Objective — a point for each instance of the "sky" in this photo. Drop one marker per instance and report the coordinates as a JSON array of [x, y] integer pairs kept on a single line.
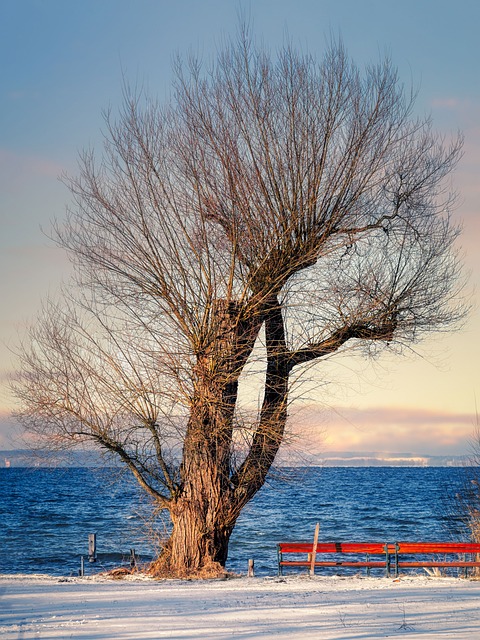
[[63, 63]]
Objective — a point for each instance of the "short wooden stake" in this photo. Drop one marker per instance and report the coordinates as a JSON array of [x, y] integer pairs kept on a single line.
[[251, 568], [314, 549], [92, 547], [133, 559], [81, 573]]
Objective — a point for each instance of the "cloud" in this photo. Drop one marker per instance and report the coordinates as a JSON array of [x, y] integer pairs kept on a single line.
[[9, 432], [401, 415], [17, 95], [452, 113], [15, 167], [451, 103], [465, 109], [390, 429], [394, 430]]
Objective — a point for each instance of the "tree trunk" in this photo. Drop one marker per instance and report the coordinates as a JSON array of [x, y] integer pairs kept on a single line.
[[203, 518], [203, 512], [251, 475], [199, 541], [211, 498]]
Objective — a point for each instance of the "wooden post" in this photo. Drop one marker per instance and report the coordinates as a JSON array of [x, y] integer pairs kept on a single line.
[[133, 559], [314, 549], [251, 568], [92, 547], [81, 573], [387, 561]]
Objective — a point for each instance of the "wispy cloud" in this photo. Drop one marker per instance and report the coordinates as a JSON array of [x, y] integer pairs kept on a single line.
[[401, 415], [393, 429], [15, 166], [456, 113], [17, 95], [451, 103], [9, 431]]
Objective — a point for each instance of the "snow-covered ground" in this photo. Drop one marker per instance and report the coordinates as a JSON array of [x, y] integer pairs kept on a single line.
[[295, 607]]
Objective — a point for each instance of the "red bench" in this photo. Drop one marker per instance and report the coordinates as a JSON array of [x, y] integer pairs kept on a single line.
[[358, 555], [455, 554], [388, 556]]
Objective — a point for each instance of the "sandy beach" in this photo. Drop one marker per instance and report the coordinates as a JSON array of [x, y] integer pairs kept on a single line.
[[296, 607]]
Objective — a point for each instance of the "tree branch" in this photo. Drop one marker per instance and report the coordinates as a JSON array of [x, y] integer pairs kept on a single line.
[[269, 433], [359, 330], [127, 459]]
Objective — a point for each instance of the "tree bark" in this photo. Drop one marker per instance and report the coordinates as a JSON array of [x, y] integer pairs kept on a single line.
[[203, 512], [202, 525]]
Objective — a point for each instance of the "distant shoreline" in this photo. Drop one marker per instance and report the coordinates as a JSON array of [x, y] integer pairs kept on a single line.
[[24, 458]]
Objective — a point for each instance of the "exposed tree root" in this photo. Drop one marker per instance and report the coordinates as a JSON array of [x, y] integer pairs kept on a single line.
[[210, 569], [120, 572]]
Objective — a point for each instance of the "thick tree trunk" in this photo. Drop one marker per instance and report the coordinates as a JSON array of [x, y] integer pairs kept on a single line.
[[212, 495], [198, 544], [203, 517], [203, 513]]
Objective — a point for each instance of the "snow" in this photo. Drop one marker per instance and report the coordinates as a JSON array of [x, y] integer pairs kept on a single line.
[[293, 607]]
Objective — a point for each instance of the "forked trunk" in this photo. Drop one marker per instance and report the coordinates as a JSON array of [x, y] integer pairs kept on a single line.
[[212, 494]]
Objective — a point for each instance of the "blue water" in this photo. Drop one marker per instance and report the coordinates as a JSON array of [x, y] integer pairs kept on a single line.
[[47, 514]]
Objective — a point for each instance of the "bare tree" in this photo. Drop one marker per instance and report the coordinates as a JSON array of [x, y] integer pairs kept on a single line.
[[286, 203]]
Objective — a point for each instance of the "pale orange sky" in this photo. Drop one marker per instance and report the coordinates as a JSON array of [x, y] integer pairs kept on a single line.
[[61, 71]]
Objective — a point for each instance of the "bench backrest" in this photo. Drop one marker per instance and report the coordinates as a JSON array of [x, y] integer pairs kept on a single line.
[[336, 547], [438, 547]]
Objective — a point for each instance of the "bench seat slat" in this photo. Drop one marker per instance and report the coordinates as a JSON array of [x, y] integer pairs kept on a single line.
[[332, 563], [433, 563]]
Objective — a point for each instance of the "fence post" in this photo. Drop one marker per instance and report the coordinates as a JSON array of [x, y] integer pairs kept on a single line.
[[314, 549], [251, 568], [92, 547], [133, 559]]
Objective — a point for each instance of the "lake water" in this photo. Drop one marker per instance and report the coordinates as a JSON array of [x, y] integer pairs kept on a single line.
[[47, 514]]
